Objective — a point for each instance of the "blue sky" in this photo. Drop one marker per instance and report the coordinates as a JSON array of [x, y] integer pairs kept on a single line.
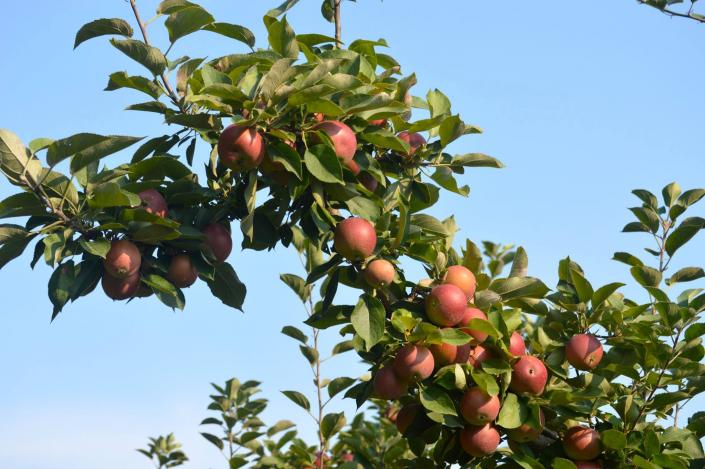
[[583, 101]]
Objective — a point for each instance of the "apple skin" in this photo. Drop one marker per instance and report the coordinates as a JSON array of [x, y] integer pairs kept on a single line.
[[352, 166], [406, 416], [446, 354], [154, 203], [479, 441], [445, 305], [584, 351], [368, 181], [517, 347], [387, 384], [123, 259], [355, 238], [470, 314], [461, 277], [529, 375], [378, 122], [347, 457], [479, 408], [241, 148], [218, 241], [582, 443], [379, 273], [587, 464], [478, 355], [413, 363], [342, 136], [120, 288], [526, 433], [182, 272], [414, 140]]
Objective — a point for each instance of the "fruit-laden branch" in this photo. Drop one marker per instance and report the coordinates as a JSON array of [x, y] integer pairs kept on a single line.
[[672, 13], [170, 91]]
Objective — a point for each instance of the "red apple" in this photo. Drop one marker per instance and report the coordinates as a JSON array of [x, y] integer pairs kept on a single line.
[[478, 407], [478, 355], [406, 417], [526, 433], [355, 238], [342, 136], [218, 241], [368, 181], [587, 464], [241, 148], [584, 351], [445, 305], [387, 384], [529, 375], [120, 288], [479, 441], [123, 259], [352, 166], [378, 122], [379, 273], [469, 315], [153, 202], [414, 140], [182, 272], [582, 443], [461, 277], [413, 362], [517, 347]]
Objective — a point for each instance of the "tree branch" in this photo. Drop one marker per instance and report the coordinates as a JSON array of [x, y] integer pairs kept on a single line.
[[673, 13], [338, 26]]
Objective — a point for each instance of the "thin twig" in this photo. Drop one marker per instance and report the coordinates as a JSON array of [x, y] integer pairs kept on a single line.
[[672, 13], [338, 25]]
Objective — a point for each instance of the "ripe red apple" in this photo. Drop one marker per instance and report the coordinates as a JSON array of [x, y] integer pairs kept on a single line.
[[352, 166], [587, 464], [461, 277], [414, 140], [355, 238], [525, 433], [406, 416], [123, 259], [445, 305], [584, 351], [347, 457], [368, 181], [153, 202], [478, 407], [478, 355], [479, 441], [446, 354], [342, 136], [378, 122], [240, 148], [379, 273], [218, 241], [470, 314], [182, 272], [387, 385], [413, 362], [517, 347], [319, 117], [529, 375], [120, 288], [582, 443]]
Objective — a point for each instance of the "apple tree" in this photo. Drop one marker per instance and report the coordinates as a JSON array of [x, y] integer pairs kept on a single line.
[[328, 150]]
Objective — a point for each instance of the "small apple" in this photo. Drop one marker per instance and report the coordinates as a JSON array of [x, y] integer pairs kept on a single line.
[[470, 314], [414, 140], [123, 259], [526, 433], [379, 273], [120, 288], [478, 355], [582, 443], [387, 385], [218, 241], [479, 441], [355, 238], [182, 272], [413, 363], [241, 148], [584, 351], [529, 375], [445, 305], [461, 277], [153, 202], [342, 136], [517, 347], [478, 407]]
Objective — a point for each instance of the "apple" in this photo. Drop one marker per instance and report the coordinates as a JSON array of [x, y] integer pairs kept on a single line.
[[218, 241], [478, 355], [478, 407], [368, 181], [479, 441], [240, 148], [470, 314], [406, 416], [378, 122], [526, 433], [355, 238], [123, 259], [387, 385], [587, 464], [584, 351], [319, 116], [461, 277], [352, 166], [413, 362], [446, 354], [379, 273], [153, 202], [182, 272], [120, 288], [529, 375], [347, 457], [414, 140], [517, 347], [342, 136], [582, 443], [445, 305]]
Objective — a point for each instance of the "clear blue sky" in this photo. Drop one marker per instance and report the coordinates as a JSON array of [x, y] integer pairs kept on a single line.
[[583, 101]]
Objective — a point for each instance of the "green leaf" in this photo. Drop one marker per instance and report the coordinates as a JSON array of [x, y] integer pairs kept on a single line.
[[22, 204], [123, 80], [214, 440], [582, 286], [691, 197], [627, 258], [167, 7], [671, 193], [310, 353], [486, 382], [233, 31], [282, 39], [98, 247], [163, 289], [635, 227], [684, 233], [520, 264], [614, 439], [281, 9], [87, 148], [227, 287], [646, 276], [385, 139], [13, 240], [519, 287], [339, 384], [247, 223], [332, 424], [648, 217], [298, 285], [562, 463], [436, 399], [511, 415], [438, 103], [687, 274], [476, 160], [323, 164], [602, 293], [295, 333], [450, 129], [368, 320], [186, 21], [151, 57], [102, 27], [111, 194], [107, 146], [647, 197], [444, 177], [298, 399]]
